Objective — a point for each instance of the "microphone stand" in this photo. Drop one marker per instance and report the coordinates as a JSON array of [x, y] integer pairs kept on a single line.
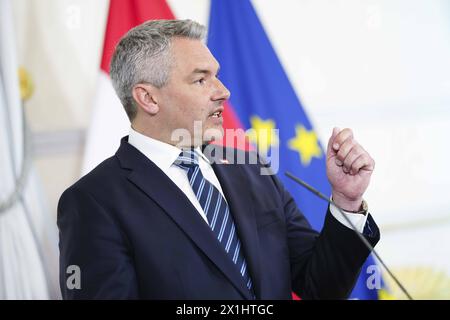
[[360, 236]]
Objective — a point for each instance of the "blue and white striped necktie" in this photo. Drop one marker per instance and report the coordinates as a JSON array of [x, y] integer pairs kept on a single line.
[[217, 212]]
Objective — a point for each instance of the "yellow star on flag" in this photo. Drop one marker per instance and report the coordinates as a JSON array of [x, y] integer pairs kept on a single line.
[[306, 144], [262, 134]]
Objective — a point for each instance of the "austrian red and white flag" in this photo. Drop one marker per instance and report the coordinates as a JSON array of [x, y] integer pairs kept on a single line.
[[109, 121]]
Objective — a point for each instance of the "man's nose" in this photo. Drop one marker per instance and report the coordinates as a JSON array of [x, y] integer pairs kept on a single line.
[[221, 92]]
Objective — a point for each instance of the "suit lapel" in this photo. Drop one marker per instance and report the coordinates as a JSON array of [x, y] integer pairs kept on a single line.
[[175, 203], [237, 192]]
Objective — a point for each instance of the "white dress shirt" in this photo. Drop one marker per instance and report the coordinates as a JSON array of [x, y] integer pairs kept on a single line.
[[164, 155]]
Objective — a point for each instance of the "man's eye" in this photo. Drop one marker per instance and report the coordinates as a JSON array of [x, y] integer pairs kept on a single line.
[[200, 81]]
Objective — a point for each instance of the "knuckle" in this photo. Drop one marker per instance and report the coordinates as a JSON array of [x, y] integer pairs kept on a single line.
[[358, 162], [341, 154], [347, 162], [354, 163], [350, 159], [348, 132], [346, 148]]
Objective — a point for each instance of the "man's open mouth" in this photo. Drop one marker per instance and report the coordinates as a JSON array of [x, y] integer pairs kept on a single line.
[[216, 114]]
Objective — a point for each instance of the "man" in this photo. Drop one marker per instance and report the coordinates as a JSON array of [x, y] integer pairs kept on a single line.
[[163, 220]]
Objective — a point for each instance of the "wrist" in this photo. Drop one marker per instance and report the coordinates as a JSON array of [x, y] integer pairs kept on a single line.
[[351, 205]]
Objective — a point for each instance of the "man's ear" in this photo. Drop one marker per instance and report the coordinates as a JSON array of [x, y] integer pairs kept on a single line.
[[145, 97]]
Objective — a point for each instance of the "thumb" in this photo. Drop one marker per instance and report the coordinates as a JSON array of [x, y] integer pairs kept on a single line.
[[330, 150]]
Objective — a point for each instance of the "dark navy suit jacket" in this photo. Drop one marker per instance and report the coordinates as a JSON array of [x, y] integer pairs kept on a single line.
[[135, 235]]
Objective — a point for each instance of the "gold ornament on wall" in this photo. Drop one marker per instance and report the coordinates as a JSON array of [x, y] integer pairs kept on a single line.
[[26, 85]]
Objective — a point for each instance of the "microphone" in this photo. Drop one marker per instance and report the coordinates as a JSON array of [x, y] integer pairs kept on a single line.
[[360, 236]]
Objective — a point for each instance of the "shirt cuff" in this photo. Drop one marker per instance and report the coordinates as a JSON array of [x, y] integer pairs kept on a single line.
[[358, 220]]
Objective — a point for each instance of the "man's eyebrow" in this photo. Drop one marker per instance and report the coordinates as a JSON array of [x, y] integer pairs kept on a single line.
[[203, 71], [200, 71]]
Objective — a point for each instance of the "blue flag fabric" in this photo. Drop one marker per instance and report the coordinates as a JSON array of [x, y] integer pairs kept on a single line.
[[263, 98]]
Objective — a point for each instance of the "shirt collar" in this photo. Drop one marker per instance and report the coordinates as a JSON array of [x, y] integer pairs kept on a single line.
[[160, 153]]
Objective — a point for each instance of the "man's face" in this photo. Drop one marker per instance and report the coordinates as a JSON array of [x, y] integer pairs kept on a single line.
[[193, 92]]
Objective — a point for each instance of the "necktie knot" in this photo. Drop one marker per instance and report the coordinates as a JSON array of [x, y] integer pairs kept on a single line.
[[187, 159]]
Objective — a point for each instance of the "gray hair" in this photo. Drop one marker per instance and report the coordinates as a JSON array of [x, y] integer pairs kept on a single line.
[[143, 56]]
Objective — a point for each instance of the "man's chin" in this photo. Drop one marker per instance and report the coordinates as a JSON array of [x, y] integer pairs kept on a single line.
[[195, 137], [213, 134]]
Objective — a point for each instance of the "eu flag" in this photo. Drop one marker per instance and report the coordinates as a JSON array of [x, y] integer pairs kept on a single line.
[[262, 99]]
